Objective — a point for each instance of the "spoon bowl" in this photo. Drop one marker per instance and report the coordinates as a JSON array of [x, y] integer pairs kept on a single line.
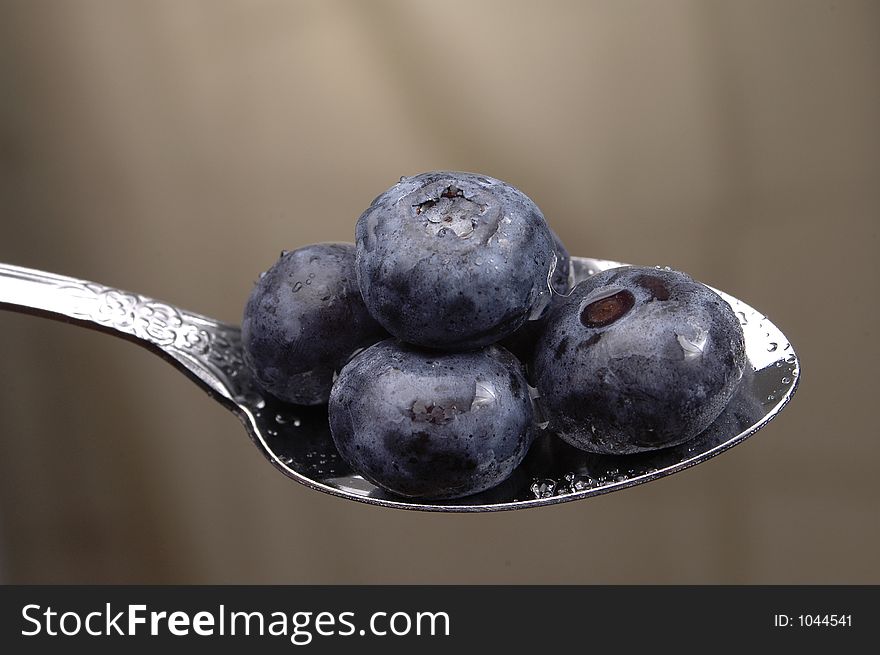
[[297, 440]]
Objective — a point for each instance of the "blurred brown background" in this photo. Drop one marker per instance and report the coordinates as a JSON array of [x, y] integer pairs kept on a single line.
[[175, 147]]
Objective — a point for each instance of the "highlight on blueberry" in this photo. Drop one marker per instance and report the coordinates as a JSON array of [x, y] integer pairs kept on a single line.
[[303, 319], [522, 342], [637, 359], [454, 260], [425, 424], [562, 278]]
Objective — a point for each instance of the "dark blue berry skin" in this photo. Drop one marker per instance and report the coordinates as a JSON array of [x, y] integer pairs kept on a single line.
[[425, 424], [561, 281], [453, 260], [522, 342], [303, 319], [637, 359]]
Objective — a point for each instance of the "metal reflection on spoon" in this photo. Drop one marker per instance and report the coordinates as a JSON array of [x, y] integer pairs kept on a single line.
[[297, 439]]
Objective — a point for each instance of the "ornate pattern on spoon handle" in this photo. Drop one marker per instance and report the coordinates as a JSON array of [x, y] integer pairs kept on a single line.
[[208, 350]]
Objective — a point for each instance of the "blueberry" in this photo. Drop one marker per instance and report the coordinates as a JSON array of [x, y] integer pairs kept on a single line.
[[303, 319], [424, 424], [453, 260], [637, 359]]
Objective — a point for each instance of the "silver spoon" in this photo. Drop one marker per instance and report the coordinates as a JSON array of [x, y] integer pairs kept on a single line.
[[297, 439]]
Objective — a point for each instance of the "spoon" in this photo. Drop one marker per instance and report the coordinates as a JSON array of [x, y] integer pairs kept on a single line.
[[297, 439]]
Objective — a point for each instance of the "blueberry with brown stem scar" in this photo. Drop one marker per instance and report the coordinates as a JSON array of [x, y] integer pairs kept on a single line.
[[637, 359]]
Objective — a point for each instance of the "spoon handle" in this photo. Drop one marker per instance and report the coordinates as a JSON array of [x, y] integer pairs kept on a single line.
[[208, 351]]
